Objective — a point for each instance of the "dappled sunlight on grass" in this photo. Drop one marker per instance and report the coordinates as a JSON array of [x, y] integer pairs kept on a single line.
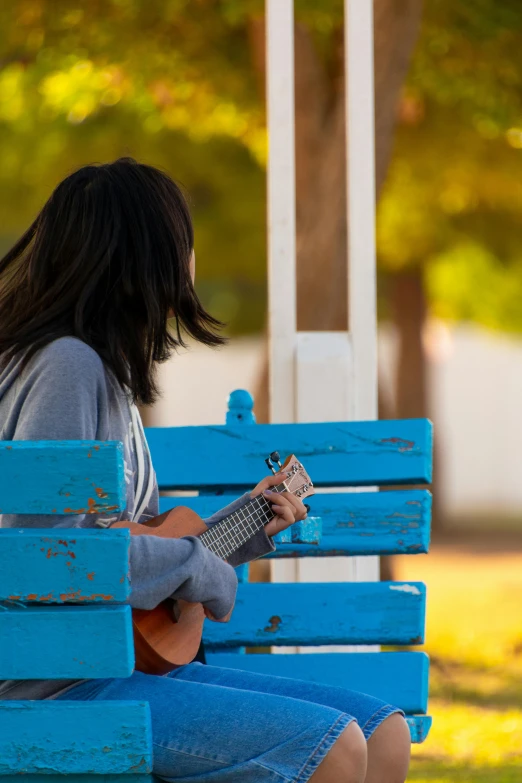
[[474, 637], [455, 773], [479, 735], [474, 605]]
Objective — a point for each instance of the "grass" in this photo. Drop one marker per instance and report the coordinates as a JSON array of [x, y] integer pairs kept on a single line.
[[474, 638]]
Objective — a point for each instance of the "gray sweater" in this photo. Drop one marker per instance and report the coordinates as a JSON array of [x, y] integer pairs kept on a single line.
[[66, 393]]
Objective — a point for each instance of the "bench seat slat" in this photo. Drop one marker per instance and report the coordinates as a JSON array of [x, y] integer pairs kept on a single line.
[[94, 778], [59, 566], [352, 524], [420, 726], [83, 642], [397, 678], [61, 477], [323, 614], [335, 454], [82, 738]]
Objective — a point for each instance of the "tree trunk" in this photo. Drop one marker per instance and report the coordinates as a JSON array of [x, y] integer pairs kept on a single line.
[[386, 562], [410, 310], [320, 162]]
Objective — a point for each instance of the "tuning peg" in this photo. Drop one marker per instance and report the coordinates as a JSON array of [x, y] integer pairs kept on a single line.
[[276, 458], [269, 464]]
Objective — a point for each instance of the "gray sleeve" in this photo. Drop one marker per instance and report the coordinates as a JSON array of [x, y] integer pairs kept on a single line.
[[252, 549], [181, 568], [60, 394], [60, 399]]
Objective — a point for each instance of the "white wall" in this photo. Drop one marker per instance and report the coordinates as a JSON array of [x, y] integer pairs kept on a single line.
[[476, 395], [476, 384], [197, 382]]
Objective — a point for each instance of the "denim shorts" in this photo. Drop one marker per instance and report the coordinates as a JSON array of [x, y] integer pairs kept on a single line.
[[218, 725]]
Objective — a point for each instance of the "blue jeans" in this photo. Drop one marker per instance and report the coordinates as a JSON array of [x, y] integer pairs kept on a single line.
[[227, 726]]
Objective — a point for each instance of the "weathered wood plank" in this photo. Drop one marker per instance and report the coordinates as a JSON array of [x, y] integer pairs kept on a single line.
[[65, 642], [57, 566], [420, 726], [75, 738], [317, 614], [334, 454], [358, 523], [396, 678], [91, 778], [61, 477]]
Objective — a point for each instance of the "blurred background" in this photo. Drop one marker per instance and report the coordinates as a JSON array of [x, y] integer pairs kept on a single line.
[[180, 84]]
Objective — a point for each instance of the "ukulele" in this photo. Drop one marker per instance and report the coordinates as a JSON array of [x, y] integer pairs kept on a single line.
[[169, 635]]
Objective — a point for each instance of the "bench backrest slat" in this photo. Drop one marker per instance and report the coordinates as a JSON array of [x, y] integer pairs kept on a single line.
[[396, 678], [74, 738], [62, 642], [334, 454], [312, 614], [361, 523], [61, 477], [64, 566]]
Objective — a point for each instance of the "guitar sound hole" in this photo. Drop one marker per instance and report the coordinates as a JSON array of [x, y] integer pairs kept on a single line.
[[173, 609]]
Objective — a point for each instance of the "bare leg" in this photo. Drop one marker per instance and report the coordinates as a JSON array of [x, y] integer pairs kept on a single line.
[[389, 752], [346, 760]]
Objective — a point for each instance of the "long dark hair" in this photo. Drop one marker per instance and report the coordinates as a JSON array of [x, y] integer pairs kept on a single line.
[[107, 260]]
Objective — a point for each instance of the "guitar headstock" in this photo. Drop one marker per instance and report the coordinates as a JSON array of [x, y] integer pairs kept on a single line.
[[297, 480]]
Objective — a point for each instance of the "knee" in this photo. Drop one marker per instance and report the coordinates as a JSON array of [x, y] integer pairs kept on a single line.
[[356, 753], [348, 756], [389, 751]]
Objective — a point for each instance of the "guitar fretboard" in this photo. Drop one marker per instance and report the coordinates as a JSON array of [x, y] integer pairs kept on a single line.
[[231, 533]]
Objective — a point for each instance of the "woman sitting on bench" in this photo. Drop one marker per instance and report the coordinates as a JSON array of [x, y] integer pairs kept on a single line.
[[93, 297]]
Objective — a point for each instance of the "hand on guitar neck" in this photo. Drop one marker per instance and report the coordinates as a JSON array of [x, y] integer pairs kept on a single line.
[[288, 508]]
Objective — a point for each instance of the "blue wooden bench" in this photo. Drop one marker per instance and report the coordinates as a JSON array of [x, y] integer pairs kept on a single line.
[[221, 462], [64, 614], [63, 593]]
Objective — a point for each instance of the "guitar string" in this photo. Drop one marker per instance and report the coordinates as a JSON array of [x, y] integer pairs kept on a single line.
[[231, 533], [234, 530], [238, 527]]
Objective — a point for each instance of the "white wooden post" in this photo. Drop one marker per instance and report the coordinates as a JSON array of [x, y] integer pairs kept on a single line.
[[281, 207], [360, 158], [322, 376]]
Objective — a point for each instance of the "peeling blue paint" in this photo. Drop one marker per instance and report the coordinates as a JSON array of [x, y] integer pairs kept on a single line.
[[82, 476], [47, 738], [316, 614], [60, 566]]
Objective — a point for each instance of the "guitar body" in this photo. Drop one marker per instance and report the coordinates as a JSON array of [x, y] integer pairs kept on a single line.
[[169, 635]]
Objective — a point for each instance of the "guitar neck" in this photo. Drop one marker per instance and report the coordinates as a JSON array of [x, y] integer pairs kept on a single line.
[[231, 533]]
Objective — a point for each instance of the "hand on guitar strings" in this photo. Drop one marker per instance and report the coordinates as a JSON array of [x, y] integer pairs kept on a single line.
[[287, 509], [286, 506]]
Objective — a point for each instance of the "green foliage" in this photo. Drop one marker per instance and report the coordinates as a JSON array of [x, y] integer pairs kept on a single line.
[[453, 197], [168, 81], [172, 82]]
